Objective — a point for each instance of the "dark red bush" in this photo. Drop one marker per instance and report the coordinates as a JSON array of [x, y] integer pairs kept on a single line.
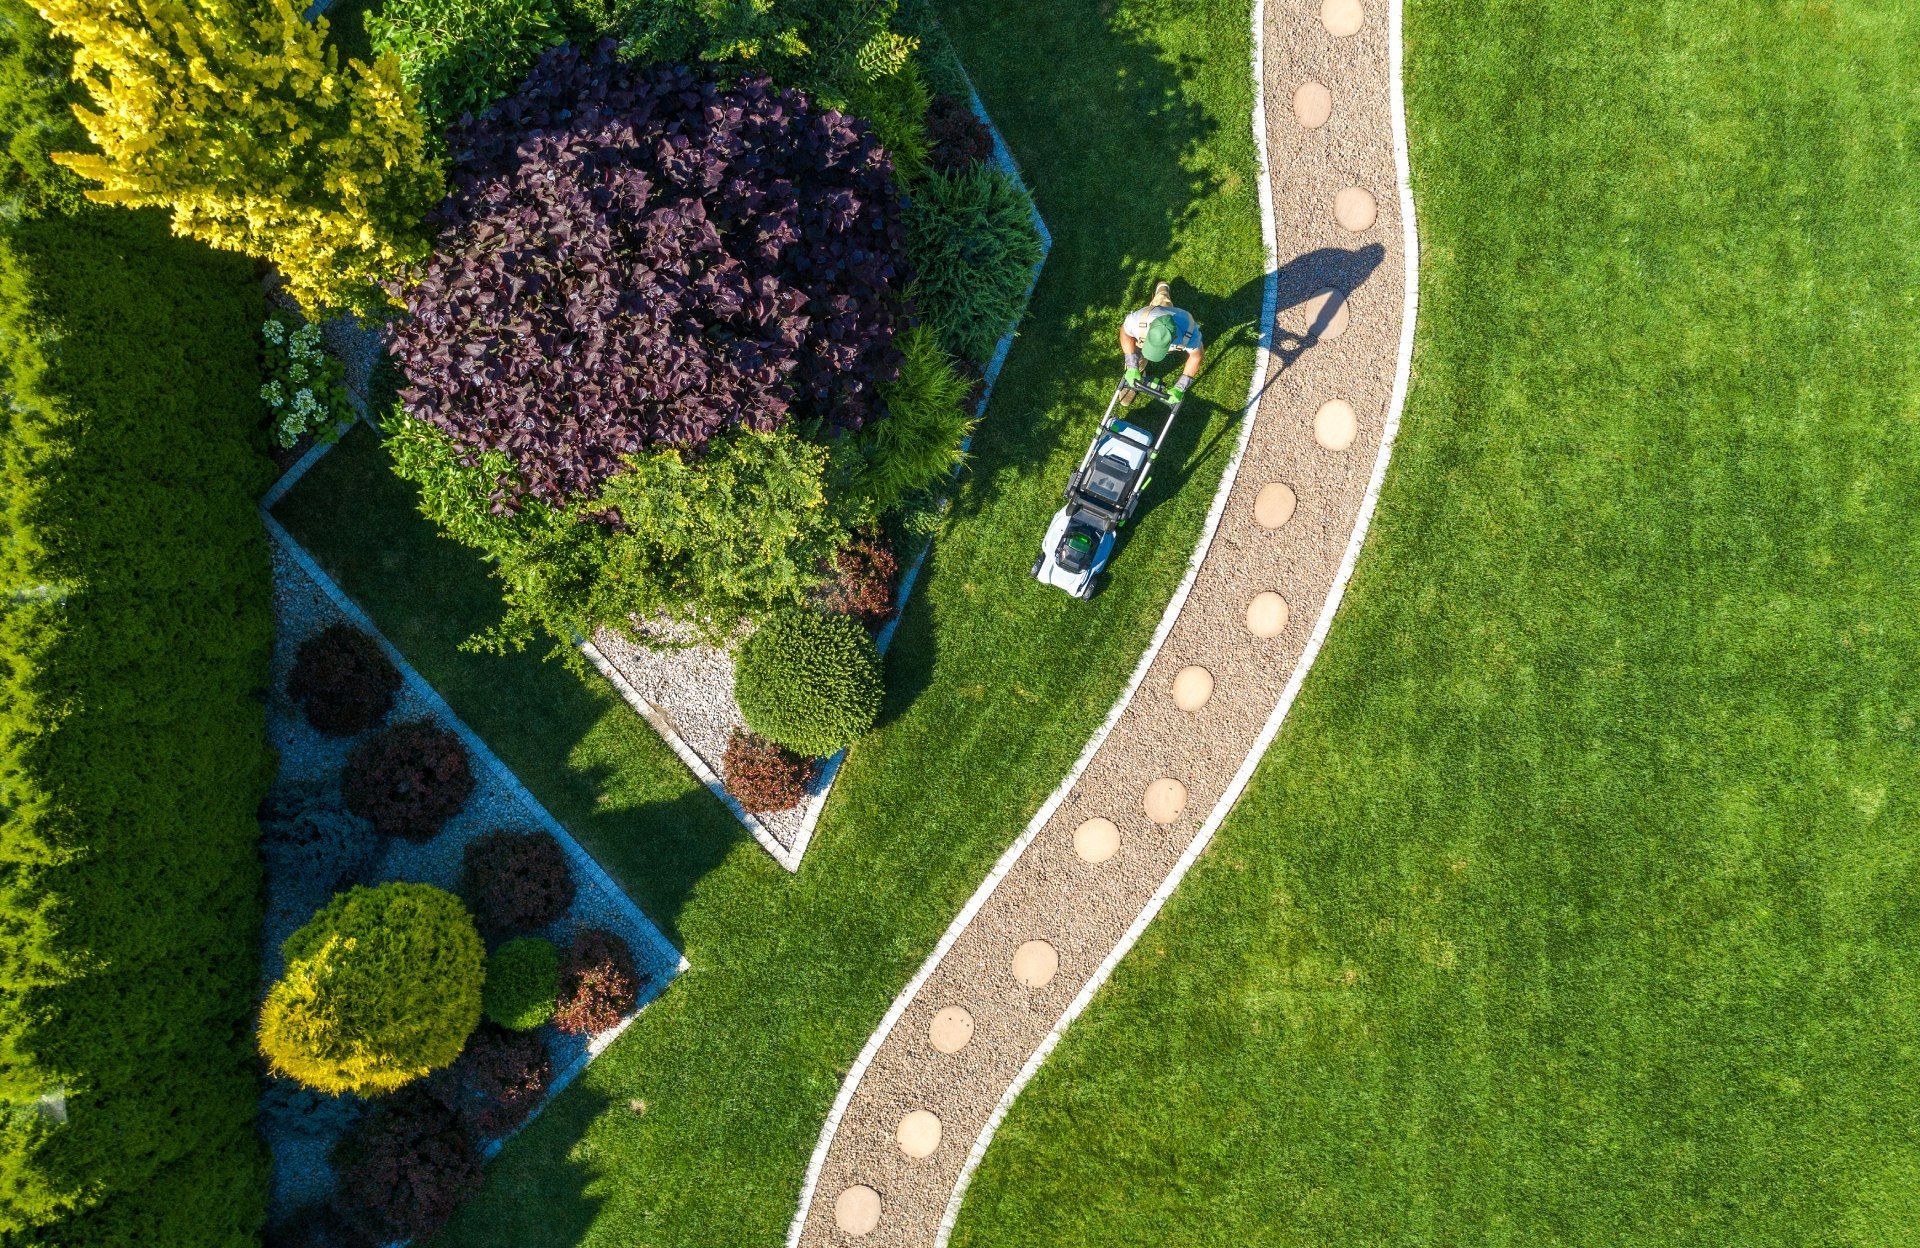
[[763, 776], [500, 1078], [406, 1165], [343, 681], [865, 573], [409, 780], [599, 984], [959, 139], [515, 882], [632, 257]]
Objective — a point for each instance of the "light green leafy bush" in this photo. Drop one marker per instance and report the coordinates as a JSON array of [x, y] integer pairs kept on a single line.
[[463, 55], [971, 238], [809, 681], [382, 987], [523, 982]]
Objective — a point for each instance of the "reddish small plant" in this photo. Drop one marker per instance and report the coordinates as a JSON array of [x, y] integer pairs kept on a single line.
[[500, 1078], [960, 140], [599, 984], [343, 681], [406, 1165], [515, 882], [765, 777], [409, 780], [864, 573]]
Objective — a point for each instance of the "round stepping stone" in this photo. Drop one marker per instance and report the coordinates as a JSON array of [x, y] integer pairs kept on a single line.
[[1096, 840], [1034, 963], [1335, 426], [952, 1028], [1164, 800], [1322, 317], [1342, 17], [918, 1134], [1192, 687], [1273, 505], [1355, 209], [857, 1209], [1312, 105], [1266, 614]]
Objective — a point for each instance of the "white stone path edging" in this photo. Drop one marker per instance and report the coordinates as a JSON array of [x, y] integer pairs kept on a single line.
[[1350, 556], [789, 856]]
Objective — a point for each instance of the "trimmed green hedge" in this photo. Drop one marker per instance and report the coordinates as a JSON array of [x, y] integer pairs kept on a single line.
[[135, 627], [809, 681]]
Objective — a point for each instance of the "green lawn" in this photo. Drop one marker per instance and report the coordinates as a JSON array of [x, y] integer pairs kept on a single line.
[[696, 1128], [1578, 902]]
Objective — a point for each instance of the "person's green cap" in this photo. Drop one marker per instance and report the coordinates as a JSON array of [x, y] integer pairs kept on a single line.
[[1159, 339]]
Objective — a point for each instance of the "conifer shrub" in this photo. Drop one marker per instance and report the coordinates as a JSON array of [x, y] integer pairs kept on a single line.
[[599, 984], [764, 777], [317, 847], [516, 882], [382, 987], [523, 983], [342, 680], [972, 241], [409, 780], [809, 681], [931, 410]]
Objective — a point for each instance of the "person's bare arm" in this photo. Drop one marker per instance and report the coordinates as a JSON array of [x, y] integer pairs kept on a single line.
[[1127, 343], [1193, 361]]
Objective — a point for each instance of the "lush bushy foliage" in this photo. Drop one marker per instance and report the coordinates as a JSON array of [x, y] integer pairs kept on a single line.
[[634, 258], [500, 1079], [382, 987], [523, 982], [461, 57], [305, 388], [829, 47], [865, 577], [809, 681], [515, 881], [36, 118], [406, 1166], [409, 780], [320, 846], [972, 240], [957, 139], [236, 117], [930, 413], [343, 681], [599, 984], [895, 105], [135, 631], [765, 777]]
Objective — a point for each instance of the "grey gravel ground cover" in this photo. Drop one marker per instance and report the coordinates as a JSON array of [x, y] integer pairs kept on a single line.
[[301, 1129]]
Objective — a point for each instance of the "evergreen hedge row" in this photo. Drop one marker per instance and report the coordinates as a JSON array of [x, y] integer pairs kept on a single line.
[[135, 626]]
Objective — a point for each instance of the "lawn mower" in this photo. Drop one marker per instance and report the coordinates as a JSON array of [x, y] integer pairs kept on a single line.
[[1102, 494]]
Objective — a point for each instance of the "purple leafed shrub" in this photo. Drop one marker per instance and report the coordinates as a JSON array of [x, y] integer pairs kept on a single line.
[[630, 258], [500, 1078], [959, 140], [515, 881], [406, 1165], [408, 780], [598, 983]]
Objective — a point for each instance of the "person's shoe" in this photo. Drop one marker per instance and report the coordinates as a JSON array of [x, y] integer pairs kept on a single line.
[[1126, 397], [1162, 295]]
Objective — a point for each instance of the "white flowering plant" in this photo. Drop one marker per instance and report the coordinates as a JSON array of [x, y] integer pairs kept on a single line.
[[305, 389]]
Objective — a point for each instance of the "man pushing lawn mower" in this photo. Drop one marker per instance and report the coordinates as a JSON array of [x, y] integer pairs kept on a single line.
[[1106, 487]]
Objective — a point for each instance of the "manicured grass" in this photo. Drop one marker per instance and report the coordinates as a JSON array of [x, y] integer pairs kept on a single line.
[[696, 1128], [1578, 902]]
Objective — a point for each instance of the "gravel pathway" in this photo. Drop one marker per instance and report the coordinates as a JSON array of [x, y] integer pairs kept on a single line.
[[1073, 893]]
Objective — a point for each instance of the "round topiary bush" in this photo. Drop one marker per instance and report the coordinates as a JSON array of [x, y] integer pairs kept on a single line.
[[515, 881], [381, 987], [406, 1166], [500, 1078], [808, 681], [599, 984], [765, 777], [343, 681], [409, 780], [523, 982]]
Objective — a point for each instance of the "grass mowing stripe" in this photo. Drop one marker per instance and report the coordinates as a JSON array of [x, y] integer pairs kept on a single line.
[[1141, 157], [1576, 902]]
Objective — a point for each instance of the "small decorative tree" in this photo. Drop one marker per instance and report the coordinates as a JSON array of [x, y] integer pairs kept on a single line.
[[382, 987], [235, 116]]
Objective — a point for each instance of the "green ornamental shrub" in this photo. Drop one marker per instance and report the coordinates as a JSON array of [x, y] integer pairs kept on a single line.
[[930, 412], [809, 681], [382, 986], [971, 238], [523, 982], [462, 55], [305, 388]]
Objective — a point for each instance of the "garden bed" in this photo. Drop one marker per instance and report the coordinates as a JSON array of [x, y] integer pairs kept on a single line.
[[302, 1129]]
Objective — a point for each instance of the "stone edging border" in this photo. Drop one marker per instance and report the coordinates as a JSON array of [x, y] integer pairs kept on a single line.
[[1389, 432], [789, 858]]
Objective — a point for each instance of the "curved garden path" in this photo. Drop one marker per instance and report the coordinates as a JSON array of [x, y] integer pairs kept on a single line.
[[1074, 891]]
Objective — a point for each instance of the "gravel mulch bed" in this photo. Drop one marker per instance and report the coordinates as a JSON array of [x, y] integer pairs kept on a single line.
[[1082, 909]]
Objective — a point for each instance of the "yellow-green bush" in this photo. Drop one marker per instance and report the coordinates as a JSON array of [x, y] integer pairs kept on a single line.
[[382, 987]]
